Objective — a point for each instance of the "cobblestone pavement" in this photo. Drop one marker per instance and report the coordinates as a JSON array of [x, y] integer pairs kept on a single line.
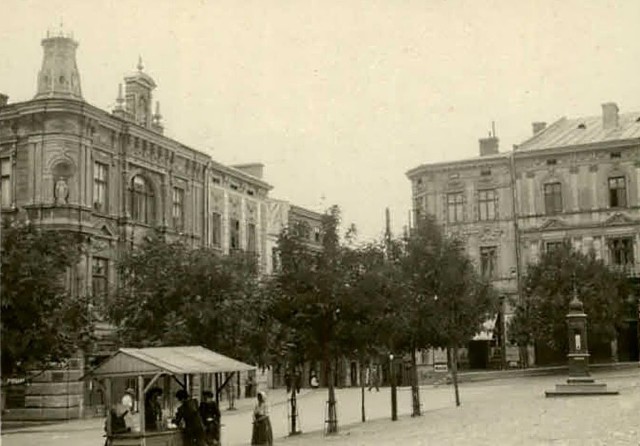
[[501, 412]]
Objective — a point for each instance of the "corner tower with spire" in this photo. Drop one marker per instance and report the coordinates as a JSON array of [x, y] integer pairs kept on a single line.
[[136, 105], [59, 76]]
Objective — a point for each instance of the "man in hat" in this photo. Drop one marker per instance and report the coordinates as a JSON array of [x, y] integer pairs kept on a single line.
[[188, 412], [210, 414]]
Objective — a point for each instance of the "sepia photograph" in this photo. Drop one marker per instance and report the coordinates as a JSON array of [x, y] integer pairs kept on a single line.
[[319, 222]]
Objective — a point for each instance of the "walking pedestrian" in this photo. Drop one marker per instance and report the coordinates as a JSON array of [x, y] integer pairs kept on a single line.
[[262, 434]]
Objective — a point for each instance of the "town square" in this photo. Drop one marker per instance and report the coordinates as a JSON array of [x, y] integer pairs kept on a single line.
[[319, 222]]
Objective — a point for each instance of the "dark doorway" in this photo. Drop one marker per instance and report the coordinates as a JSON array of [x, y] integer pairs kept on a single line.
[[479, 354], [628, 348], [354, 374]]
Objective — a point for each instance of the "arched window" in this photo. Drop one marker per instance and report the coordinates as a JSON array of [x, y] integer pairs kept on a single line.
[[142, 200]]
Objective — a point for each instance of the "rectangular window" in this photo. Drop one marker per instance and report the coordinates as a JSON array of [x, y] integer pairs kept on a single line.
[[552, 246], [275, 260], [177, 209], [5, 182], [417, 208], [455, 207], [216, 230], [617, 192], [100, 186], [100, 277], [316, 235], [488, 261], [553, 198], [251, 237], [487, 205], [234, 233], [621, 250]]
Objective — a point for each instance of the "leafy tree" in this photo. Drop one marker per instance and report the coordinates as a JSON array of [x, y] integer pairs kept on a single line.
[[548, 288], [311, 289], [447, 301], [42, 322], [172, 294]]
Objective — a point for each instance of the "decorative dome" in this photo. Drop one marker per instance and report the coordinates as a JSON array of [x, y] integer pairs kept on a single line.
[[576, 304]]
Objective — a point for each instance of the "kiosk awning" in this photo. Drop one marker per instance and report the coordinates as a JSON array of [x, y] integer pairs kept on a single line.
[[172, 360]]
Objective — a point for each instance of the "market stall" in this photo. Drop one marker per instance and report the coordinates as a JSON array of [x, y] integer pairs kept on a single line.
[[164, 370]]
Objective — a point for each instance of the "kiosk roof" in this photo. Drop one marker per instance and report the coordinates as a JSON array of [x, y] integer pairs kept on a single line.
[[172, 360]]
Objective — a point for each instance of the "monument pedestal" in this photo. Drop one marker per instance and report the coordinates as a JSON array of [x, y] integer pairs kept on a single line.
[[580, 386], [579, 382]]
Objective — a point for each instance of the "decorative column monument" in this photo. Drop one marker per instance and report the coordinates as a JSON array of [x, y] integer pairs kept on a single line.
[[579, 382]]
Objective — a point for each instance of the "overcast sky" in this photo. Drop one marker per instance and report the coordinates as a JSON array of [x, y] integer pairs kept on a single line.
[[339, 98]]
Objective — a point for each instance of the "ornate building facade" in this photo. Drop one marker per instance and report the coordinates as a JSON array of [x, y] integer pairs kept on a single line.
[[576, 180], [114, 177]]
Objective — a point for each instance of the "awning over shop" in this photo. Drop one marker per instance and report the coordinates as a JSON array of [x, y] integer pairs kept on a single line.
[[486, 334], [171, 360]]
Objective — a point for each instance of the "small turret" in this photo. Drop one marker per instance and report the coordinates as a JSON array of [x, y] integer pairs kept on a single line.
[[157, 119], [138, 88], [59, 76]]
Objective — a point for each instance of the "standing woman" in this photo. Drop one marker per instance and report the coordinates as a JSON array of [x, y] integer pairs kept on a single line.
[[262, 434]]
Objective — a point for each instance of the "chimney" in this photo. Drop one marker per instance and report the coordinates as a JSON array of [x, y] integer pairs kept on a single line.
[[538, 127], [488, 146], [4, 99], [609, 115]]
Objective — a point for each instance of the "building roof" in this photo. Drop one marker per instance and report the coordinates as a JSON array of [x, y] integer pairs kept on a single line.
[[476, 161], [583, 131], [171, 360]]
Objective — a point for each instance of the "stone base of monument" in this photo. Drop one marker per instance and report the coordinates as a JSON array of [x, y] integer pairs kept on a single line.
[[582, 386]]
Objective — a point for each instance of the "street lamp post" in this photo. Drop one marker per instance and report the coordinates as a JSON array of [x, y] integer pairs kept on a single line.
[[394, 390]]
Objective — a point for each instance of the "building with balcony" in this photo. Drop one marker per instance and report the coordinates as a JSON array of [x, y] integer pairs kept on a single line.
[[575, 180]]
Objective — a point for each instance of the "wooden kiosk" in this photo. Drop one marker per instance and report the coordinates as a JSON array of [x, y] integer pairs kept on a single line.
[[170, 368]]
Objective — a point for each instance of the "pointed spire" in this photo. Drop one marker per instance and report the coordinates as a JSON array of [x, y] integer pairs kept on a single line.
[[157, 115], [120, 99], [140, 66]]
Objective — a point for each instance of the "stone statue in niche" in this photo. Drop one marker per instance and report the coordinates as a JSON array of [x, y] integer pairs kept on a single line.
[[61, 190]]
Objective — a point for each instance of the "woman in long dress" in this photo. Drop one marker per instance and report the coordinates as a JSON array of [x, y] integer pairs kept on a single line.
[[262, 434]]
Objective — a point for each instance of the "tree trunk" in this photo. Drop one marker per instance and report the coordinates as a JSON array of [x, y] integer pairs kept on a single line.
[[294, 412], [454, 371], [362, 375], [332, 418], [415, 386]]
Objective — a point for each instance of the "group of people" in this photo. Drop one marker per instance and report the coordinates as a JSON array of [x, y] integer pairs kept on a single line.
[[200, 423]]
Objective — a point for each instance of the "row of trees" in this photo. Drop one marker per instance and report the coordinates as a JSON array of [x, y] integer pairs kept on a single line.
[[344, 300]]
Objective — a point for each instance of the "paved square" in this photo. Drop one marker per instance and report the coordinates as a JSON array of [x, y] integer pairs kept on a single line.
[[499, 412]]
